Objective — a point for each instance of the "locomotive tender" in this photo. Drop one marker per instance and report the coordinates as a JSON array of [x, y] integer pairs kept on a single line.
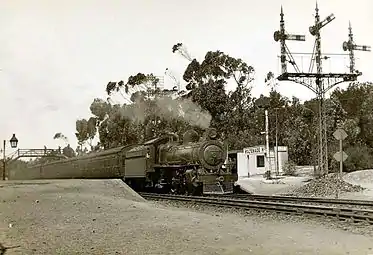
[[164, 164]]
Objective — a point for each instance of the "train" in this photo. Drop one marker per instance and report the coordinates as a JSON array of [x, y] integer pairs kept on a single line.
[[192, 165]]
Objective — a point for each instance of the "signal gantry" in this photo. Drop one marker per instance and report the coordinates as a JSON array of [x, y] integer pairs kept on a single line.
[[318, 82]]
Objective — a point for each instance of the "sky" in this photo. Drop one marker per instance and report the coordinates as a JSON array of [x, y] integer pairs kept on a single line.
[[57, 56]]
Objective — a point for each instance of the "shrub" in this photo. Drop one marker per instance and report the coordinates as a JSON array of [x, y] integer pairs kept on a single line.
[[290, 168], [267, 174], [359, 158]]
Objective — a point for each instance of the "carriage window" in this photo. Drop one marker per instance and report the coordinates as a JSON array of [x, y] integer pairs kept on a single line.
[[260, 161]]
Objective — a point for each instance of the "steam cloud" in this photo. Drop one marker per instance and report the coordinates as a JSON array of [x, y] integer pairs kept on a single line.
[[169, 108]]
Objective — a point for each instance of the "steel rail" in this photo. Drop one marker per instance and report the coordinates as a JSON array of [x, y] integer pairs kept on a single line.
[[356, 215], [351, 202]]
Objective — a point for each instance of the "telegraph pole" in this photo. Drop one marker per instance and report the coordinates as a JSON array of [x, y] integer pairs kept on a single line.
[[318, 82], [276, 155], [4, 159], [268, 163]]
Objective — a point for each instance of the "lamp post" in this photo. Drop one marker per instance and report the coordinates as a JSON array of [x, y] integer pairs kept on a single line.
[[266, 133], [312, 138], [276, 155], [268, 163], [13, 143], [277, 167]]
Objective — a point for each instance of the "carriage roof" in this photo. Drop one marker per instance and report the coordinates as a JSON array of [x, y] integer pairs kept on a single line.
[[94, 154]]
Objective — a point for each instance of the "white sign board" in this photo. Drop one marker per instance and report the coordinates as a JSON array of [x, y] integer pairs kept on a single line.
[[340, 156], [282, 148], [340, 134], [254, 150]]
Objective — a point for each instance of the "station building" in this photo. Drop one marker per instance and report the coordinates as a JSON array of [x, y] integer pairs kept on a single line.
[[252, 161]]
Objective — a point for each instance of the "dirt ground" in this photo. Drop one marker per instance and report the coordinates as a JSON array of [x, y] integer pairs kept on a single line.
[[258, 185], [364, 178], [100, 217]]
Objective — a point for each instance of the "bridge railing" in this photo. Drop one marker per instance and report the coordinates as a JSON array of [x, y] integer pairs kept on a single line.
[[24, 153]]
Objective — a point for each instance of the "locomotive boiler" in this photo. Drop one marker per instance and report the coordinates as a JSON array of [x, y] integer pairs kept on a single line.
[[208, 153], [167, 164]]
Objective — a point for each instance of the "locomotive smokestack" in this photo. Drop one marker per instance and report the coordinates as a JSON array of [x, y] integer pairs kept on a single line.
[[173, 136], [210, 134], [190, 136]]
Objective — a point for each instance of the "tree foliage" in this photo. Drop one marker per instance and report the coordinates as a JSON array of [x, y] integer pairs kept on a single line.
[[207, 81], [148, 111], [61, 136]]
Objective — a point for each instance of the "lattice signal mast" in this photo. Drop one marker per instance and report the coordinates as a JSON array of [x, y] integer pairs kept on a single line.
[[351, 46], [311, 80], [282, 36]]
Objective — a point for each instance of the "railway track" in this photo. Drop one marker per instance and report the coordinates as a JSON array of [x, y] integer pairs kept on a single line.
[[346, 213], [303, 200]]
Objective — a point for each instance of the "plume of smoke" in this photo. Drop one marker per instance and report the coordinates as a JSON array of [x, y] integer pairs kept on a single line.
[[135, 112], [183, 109], [168, 108]]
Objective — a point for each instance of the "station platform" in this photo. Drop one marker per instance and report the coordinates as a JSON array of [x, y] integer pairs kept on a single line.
[[258, 185]]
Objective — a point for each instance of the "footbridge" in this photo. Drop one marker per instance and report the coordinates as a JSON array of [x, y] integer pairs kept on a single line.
[[38, 153], [30, 153]]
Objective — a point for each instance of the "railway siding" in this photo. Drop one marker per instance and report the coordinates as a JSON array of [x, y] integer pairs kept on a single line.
[[306, 200], [347, 213]]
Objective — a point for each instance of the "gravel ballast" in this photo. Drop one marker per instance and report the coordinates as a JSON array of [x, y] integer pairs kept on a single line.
[[330, 185], [104, 217]]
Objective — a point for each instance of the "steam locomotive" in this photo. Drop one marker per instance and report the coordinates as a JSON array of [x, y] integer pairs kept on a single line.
[[163, 165]]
